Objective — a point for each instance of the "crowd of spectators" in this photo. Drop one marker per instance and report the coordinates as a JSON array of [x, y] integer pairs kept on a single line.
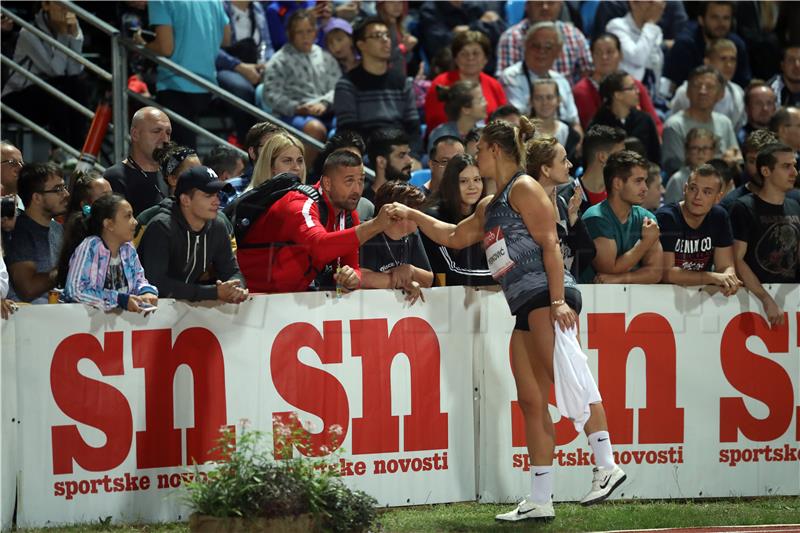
[[667, 159]]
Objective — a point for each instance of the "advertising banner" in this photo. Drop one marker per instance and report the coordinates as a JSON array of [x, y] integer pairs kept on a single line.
[[115, 407], [103, 414], [700, 394]]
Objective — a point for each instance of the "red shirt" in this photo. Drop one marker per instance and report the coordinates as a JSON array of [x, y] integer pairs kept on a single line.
[[588, 101], [434, 108], [308, 245], [595, 197]]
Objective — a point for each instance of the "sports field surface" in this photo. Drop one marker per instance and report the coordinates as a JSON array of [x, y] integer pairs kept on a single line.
[[775, 514]]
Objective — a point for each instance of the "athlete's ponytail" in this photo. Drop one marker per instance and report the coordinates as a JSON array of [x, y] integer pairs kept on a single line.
[[509, 138]]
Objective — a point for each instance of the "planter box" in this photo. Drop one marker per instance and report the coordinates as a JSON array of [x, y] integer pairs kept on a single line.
[[291, 524]]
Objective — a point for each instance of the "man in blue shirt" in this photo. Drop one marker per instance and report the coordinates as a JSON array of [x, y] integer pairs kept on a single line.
[[190, 34], [625, 234], [690, 46]]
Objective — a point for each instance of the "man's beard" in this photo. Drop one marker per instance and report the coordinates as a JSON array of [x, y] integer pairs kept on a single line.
[[711, 37], [392, 174]]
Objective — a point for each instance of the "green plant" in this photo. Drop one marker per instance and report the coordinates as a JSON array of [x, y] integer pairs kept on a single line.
[[249, 482], [346, 509]]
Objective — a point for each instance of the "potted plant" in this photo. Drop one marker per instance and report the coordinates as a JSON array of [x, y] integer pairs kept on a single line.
[[250, 490]]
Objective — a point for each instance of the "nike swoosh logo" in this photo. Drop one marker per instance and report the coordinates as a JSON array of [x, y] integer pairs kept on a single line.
[[525, 512], [601, 440], [604, 484], [537, 474]]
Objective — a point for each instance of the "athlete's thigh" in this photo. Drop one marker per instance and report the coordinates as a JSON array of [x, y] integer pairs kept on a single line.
[[540, 342], [528, 384]]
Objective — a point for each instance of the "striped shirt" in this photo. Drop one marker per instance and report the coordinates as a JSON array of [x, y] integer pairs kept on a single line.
[[365, 102], [575, 59]]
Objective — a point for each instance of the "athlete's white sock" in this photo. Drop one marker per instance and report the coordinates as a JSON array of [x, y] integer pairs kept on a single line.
[[541, 483], [600, 442]]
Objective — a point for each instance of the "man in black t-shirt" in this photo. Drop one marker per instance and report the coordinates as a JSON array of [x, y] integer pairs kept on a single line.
[[696, 235], [766, 229], [138, 178], [396, 258]]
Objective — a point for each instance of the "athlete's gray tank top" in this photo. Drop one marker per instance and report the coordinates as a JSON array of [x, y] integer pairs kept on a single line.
[[514, 258]]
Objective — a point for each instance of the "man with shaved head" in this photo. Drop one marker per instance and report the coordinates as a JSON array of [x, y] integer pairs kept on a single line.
[[138, 177]]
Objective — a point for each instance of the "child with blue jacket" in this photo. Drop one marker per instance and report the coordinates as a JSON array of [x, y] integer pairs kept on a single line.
[[98, 264]]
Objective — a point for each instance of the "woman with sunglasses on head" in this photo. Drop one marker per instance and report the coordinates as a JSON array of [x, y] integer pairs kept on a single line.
[[620, 110], [518, 228]]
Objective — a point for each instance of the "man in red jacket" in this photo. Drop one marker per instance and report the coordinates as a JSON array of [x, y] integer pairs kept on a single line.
[[305, 247]]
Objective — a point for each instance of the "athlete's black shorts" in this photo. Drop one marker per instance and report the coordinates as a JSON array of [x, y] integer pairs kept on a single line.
[[571, 295]]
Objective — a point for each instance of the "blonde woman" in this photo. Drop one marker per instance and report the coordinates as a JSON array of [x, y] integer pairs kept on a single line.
[[281, 153]]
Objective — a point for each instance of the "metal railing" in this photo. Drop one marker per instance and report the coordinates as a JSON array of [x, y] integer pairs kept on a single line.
[[120, 93]]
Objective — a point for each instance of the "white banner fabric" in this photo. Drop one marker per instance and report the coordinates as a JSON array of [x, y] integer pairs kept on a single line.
[[103, 412]]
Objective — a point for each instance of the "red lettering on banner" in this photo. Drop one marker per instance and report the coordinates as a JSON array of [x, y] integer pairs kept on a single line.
[[565, 429], [160, 444], [756, 377], [310, 389], [99, 405], [377, 431], [661, 421]]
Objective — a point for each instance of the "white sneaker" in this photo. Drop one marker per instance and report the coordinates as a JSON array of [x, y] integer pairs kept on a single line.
[[604, 481], [526, 510]]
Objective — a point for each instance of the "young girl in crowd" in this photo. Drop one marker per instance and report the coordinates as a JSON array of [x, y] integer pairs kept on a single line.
[[300, 78], [339, 42], [98, 264], [281, 153], [518, 227], [465, 107], [461, 189], [544, 103], [86, 188]]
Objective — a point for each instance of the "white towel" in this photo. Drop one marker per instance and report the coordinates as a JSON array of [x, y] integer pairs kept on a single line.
[[575, 386]]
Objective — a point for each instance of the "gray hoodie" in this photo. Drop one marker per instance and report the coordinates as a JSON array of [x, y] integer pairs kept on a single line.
[[41, 58], [175, 257]]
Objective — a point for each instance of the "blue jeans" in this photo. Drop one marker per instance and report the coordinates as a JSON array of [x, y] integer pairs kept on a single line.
[[237, 84]]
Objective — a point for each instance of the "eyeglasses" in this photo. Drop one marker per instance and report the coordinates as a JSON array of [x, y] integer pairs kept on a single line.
[[58, 189], [547, 47], [379, 36], [701, 148], [440, 162], [13, 162]]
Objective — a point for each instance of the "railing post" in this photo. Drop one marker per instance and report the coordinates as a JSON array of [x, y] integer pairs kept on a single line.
[[119, 100]]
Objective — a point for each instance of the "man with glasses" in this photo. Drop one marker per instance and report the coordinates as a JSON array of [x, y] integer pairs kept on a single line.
[[33, 251], [720, 54], [442, 151], [704, 89], [372, 97], [572, 60], [543, 44], [10, 163]]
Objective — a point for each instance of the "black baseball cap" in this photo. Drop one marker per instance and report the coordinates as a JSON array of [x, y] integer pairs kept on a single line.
[[202, 178]]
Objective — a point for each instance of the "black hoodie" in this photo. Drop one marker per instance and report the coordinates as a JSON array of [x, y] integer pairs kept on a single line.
[[174, 256]]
